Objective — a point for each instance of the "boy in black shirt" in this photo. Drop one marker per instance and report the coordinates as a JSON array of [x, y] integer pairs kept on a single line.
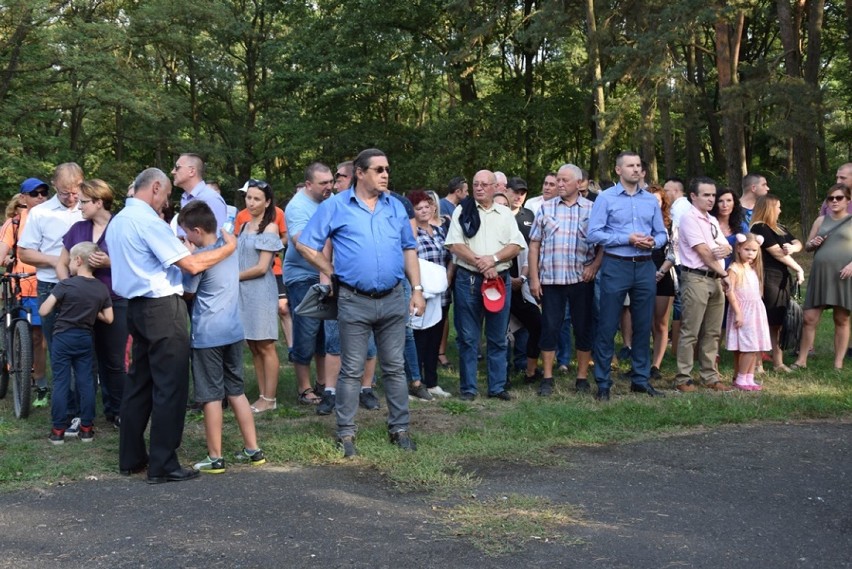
[[80, 300]]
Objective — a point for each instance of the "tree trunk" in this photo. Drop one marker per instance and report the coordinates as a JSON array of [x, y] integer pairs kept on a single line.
[[664, 103], [728, 39], [692, 142], [599, 99]]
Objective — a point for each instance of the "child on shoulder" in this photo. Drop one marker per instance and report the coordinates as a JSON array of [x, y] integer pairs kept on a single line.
[[217, 343], [748, 327], [80, 301]]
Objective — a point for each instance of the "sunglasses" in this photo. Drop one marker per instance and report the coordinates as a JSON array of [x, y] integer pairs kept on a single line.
[[380, 169], [341, 175], [835, 198], [36, 193], [258, 184]]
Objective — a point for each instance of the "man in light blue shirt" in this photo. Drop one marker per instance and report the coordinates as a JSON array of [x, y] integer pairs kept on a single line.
[[188, 174], [147, 260], [374, 249], [628, 223]]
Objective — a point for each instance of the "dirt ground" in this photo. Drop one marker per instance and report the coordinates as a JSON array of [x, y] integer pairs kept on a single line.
[[774, 496]]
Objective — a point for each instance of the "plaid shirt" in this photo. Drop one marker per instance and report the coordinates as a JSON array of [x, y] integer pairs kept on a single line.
[[431, 248], [562, 229]]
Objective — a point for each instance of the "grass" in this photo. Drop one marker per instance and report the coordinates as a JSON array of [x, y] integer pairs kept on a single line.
[[454, 437]]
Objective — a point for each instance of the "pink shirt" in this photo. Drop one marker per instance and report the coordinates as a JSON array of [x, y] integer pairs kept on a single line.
[[696, 228]]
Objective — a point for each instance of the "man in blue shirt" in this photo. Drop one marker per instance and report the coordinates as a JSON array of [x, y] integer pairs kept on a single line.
[[188, 174], [628, 223], [147, 260], [374, 249]]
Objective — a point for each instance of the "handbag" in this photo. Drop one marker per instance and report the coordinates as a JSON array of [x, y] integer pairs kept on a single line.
[[791, 330], [318, 303]]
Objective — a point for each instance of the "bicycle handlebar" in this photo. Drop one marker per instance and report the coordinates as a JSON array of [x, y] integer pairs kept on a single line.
[[10, 276]]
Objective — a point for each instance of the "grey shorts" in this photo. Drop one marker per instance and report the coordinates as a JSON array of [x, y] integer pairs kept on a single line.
[[218, 372]]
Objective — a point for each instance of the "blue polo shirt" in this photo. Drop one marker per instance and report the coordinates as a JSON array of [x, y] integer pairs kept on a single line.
[[143, 252], [216, 311], [368, 245], [616, 214], [298, 212]]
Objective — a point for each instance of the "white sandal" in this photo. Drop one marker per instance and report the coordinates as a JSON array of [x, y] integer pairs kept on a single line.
[[274, 402]]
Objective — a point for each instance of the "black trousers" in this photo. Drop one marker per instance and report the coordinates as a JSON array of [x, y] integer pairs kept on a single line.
[[428, 344], [158, 384], [530, 316]]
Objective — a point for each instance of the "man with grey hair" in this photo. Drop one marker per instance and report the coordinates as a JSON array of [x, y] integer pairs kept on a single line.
[[501, 181], [343, 176], [483, 238], [147, 260], [754, 186], [562, 273]]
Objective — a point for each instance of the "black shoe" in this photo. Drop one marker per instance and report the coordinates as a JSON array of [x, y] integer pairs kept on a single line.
[[545, 388], [508, 385], [602, 394], [465, 396], [648, 389], [530, 379], [134, 470], [582, 386], [403, 440], [419, 392], [347, 445], [655, 373], [368, 400], [319, 389], [326, 406], [178, 475], [624, 353], [504, 395]]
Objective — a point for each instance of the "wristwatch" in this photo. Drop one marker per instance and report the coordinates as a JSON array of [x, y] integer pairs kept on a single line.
[[418, 288], [496, 260]]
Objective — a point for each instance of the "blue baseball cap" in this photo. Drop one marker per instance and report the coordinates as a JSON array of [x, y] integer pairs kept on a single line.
[[32, 184]]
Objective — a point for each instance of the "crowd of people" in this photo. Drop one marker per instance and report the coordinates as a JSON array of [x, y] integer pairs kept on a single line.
[[571, 267]]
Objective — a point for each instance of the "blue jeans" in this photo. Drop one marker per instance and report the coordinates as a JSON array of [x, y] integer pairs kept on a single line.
[[468, 316], [72, 350], [618, 277], [412, 364], [44, 289], [564, 350], [385, 318], [308, 333]]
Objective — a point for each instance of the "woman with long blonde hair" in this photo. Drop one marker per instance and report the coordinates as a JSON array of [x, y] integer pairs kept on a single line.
[[778, 248]]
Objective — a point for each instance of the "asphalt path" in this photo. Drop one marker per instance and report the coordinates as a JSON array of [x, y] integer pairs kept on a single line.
[[773, 495]]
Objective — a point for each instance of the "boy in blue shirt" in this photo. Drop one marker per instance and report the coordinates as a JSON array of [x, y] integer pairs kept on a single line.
[[80, 301], [217, 342]]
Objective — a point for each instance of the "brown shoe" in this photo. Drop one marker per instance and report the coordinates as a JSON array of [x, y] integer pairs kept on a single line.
[[686, 387], [719, 386]]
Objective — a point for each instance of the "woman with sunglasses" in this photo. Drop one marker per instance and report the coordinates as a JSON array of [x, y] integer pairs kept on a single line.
[[830, 282], [778, 248], [110, 339], [257, 244]]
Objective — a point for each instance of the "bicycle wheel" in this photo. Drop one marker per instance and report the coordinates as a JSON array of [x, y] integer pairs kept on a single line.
[[21, 365], [4, 373]]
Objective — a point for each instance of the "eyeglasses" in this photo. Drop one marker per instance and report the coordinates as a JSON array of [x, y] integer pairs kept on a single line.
[[84, 202], [36, 193], [342, 175], [482, 184], [380, 169], [835, 198], [20, 206], [713, 231], [258, 184]]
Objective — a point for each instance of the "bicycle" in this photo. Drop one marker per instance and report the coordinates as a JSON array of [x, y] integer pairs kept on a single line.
[[16, 349]]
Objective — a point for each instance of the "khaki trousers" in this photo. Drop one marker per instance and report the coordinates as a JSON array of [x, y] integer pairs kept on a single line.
[[703, 306]]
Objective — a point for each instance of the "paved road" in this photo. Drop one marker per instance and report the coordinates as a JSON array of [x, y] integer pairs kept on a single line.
[[773, 496]]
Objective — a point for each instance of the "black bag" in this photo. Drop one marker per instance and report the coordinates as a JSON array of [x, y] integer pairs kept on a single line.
[[791, 331]]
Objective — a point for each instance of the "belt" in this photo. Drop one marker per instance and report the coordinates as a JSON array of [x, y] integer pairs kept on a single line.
[[373, 295], [501, 274], [638, 259], [704, 273]]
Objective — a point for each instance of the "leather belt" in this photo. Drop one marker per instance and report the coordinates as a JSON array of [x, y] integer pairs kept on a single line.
[[704, 273], [373, 295], [639, 259]]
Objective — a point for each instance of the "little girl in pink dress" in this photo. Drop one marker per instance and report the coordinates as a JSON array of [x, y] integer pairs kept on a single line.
[[748, 327]]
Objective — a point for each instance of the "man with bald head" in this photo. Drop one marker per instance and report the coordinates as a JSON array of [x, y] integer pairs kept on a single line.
[[484, 238], [188, 175]]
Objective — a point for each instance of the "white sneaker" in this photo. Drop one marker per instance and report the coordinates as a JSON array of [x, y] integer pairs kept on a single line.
[[72, 431], [438, 392]]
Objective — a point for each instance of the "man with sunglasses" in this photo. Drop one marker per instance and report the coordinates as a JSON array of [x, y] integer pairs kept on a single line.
[[188, 175], [343, 177], [374, 249], [40, 245], [702, 248]]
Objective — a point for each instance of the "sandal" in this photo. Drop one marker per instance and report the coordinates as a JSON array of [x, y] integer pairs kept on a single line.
[[797, 367], [445, 363], [308, 397], [273, 407]]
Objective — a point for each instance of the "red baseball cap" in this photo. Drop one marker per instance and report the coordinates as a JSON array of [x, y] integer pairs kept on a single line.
[[493, 294]]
